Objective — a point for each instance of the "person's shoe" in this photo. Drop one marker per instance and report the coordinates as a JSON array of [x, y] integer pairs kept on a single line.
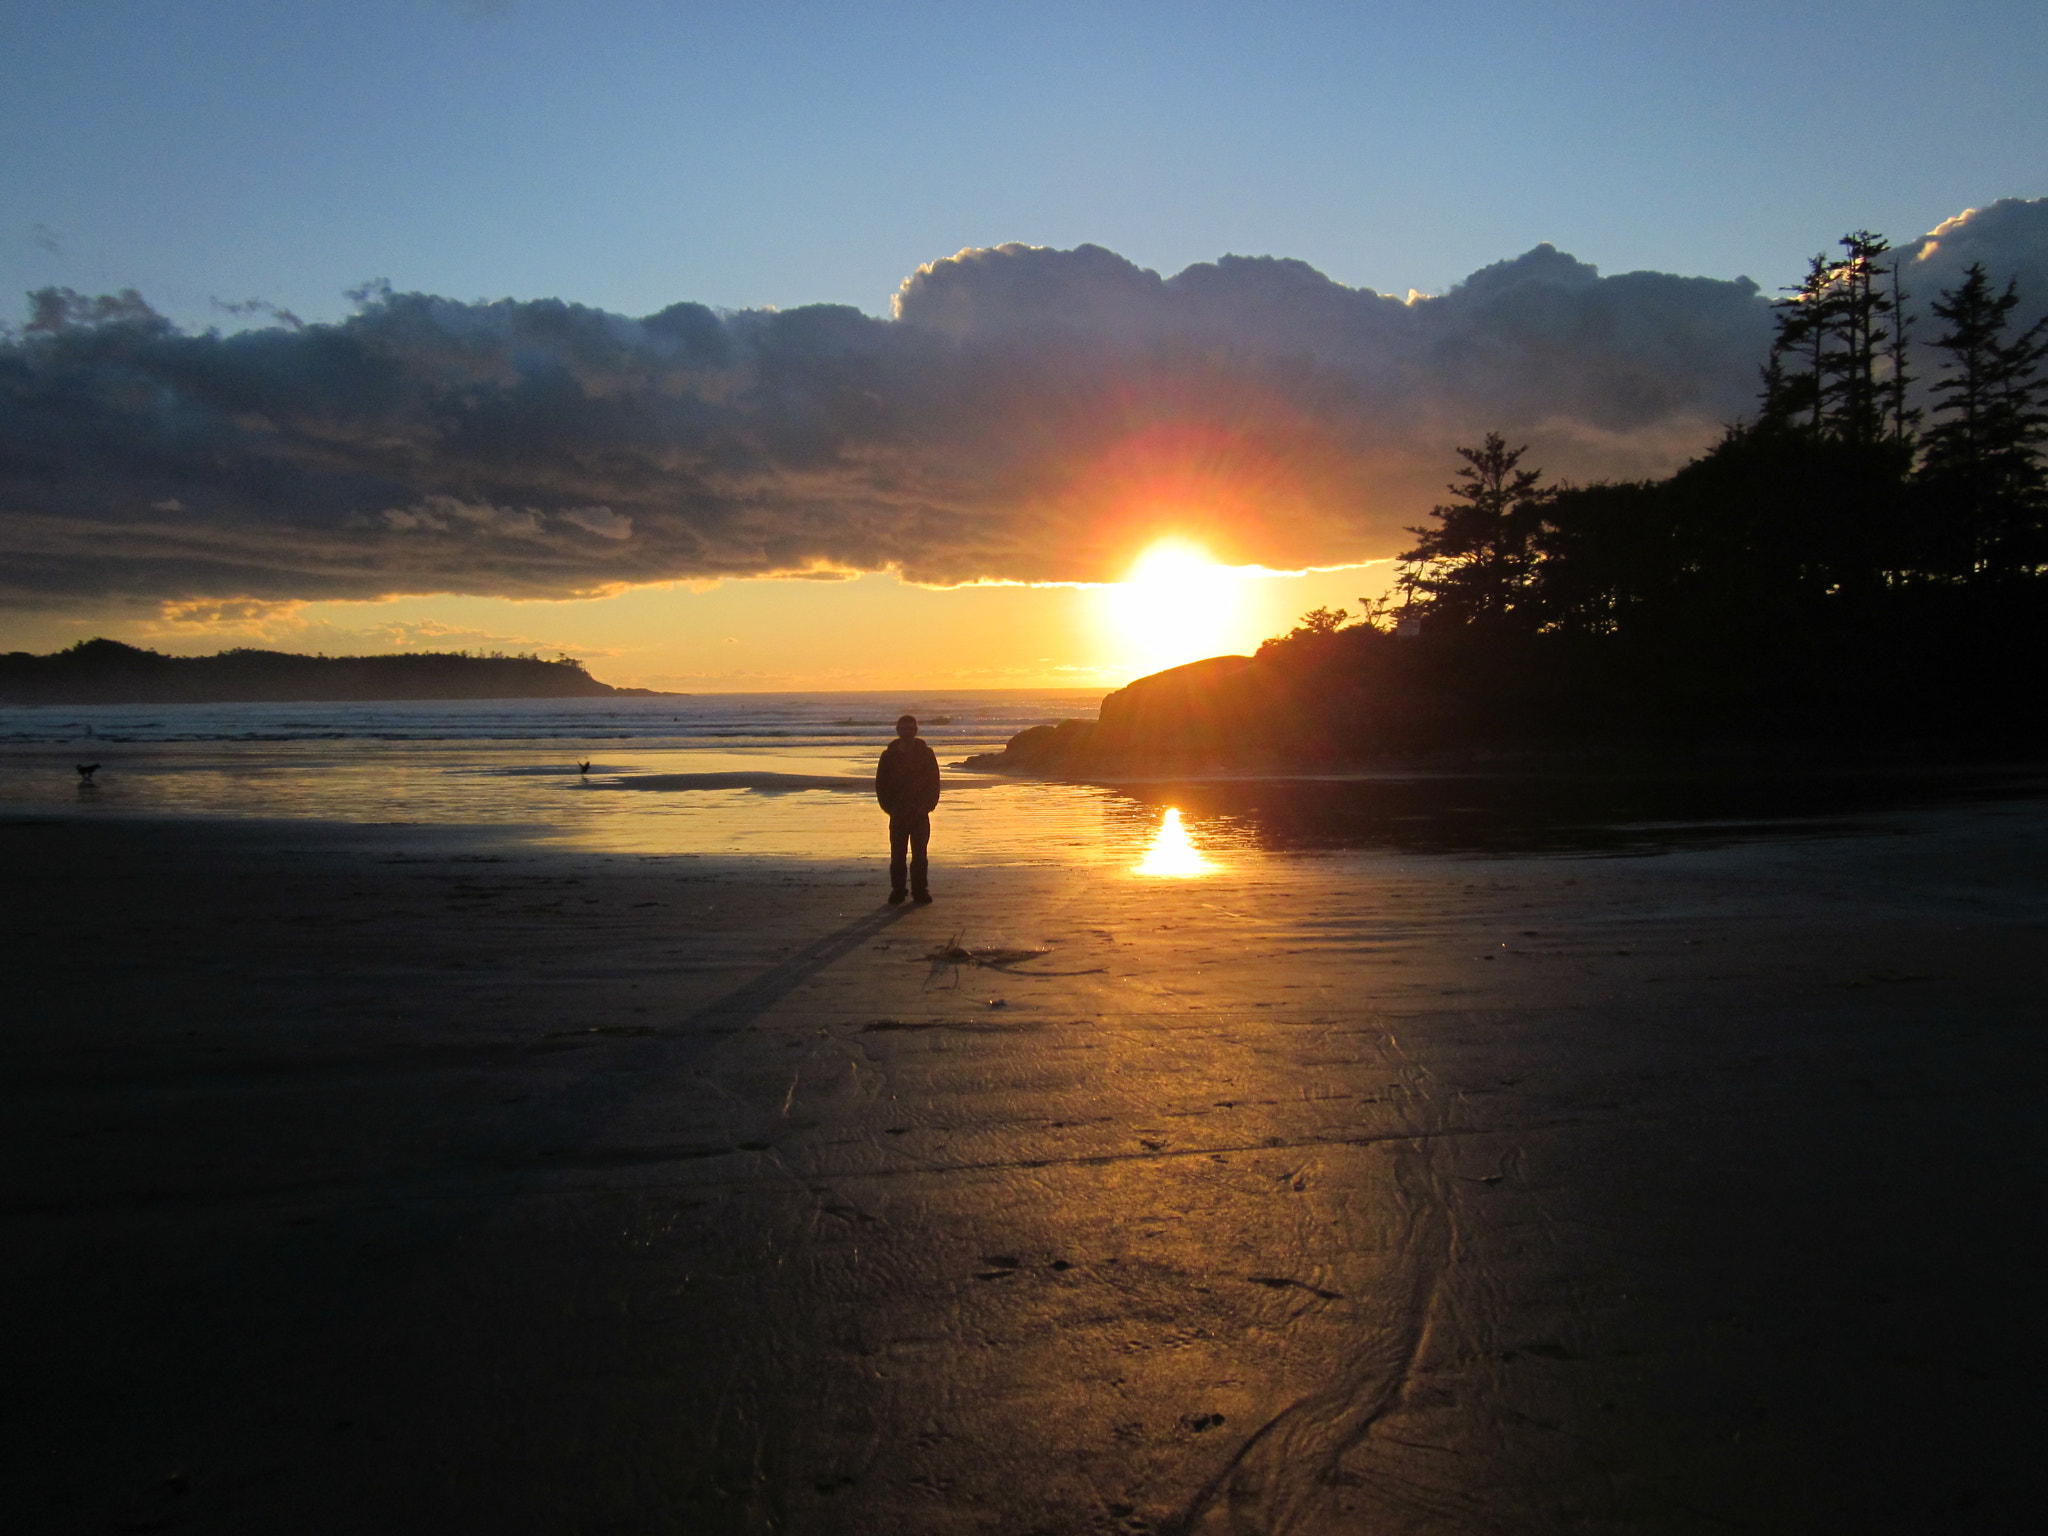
[[896, 898], [923, 898]]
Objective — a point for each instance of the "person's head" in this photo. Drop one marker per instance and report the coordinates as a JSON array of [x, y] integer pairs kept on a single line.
[[906, 727]]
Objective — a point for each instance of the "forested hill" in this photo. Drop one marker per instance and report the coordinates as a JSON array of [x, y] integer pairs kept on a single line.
[[1862, 567], [108, 672]]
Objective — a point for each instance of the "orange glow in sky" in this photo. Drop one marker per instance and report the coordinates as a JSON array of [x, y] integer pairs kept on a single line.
[[872, 631]]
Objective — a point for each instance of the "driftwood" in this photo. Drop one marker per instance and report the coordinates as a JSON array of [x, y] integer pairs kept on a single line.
[[996, 958]]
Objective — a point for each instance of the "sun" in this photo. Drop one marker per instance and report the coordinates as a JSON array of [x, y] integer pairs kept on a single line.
[[1177, 605], [1172, 853]]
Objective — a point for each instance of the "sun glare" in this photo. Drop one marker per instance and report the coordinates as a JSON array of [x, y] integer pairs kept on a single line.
[[1177, 605], [1171, 853]]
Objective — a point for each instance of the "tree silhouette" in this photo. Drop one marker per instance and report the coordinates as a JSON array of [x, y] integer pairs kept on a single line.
[[1982, 455], [1835, 342], [1792, 377], [1905, 417], [1853, 397], [1321, 621], [1474, 566]]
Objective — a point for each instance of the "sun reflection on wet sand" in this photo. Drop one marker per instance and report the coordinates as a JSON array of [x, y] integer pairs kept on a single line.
[[1171, 853]]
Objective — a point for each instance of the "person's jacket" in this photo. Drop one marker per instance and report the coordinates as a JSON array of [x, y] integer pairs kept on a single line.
[[907, 778]]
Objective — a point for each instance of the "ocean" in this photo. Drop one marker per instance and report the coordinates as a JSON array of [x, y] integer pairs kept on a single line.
[[774, 775]]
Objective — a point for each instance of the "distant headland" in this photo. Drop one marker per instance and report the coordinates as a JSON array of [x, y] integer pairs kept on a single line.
[[109, 672]]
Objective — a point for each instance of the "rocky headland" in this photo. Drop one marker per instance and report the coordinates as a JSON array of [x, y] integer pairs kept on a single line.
[[1308, 703]]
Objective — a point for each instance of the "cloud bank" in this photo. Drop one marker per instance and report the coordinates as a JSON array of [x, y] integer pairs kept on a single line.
[[2010, 238], [1026, 415]]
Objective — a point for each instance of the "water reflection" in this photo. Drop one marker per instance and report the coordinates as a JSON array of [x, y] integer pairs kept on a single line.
[[1171, 854], [1558, 813]]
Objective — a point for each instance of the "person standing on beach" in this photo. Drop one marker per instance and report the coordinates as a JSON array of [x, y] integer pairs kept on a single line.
[[907, 784]]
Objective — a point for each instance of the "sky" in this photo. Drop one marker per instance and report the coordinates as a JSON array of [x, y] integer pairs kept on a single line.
[[1043, 365]]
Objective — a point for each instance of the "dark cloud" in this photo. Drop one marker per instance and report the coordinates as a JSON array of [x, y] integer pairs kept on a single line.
[[1026, 415], [1520, 341]]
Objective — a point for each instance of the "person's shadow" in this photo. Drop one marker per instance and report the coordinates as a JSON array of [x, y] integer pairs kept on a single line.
[[749, 1002], [561, 1126]]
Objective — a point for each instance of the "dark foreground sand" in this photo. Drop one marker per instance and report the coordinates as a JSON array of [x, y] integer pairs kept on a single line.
[[374, 1182]]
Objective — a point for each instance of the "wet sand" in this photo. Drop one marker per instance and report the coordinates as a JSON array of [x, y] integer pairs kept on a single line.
[[377, 1180]]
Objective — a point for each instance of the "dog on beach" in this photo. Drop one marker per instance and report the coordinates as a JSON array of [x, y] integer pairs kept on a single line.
[[86, 771]]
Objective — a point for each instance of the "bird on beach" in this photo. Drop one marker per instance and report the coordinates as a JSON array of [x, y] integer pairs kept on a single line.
[[583, 767], [86, 771]]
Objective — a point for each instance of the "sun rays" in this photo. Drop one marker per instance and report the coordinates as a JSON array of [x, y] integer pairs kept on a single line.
[[1177, 605]]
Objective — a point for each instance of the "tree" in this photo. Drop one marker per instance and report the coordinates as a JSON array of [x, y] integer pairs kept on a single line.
[[1982, 455], [1475, 565], [1318, 622], [1792, 377], [1825, 373], [1905, 418], [1852, 396], [1381, 613], [1610, 559]]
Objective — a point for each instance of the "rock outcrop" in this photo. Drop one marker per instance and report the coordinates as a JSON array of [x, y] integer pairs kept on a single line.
[[1293, 707]]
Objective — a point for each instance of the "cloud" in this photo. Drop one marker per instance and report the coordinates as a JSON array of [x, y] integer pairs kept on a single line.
[[2010, 237], [602, 521], [236, 616], [432, 635], [242, 308], [1024, 415], [213, 622]]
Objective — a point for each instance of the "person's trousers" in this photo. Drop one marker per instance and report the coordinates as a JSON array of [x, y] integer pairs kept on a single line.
[[909, 834]]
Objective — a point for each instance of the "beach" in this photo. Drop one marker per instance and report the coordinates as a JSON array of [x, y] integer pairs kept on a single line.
[[419, 1178]]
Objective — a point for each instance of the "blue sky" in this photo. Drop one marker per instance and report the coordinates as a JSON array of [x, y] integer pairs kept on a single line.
[[628, 155]]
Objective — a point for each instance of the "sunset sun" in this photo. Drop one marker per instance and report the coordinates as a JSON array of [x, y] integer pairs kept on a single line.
[[1177, 605]]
